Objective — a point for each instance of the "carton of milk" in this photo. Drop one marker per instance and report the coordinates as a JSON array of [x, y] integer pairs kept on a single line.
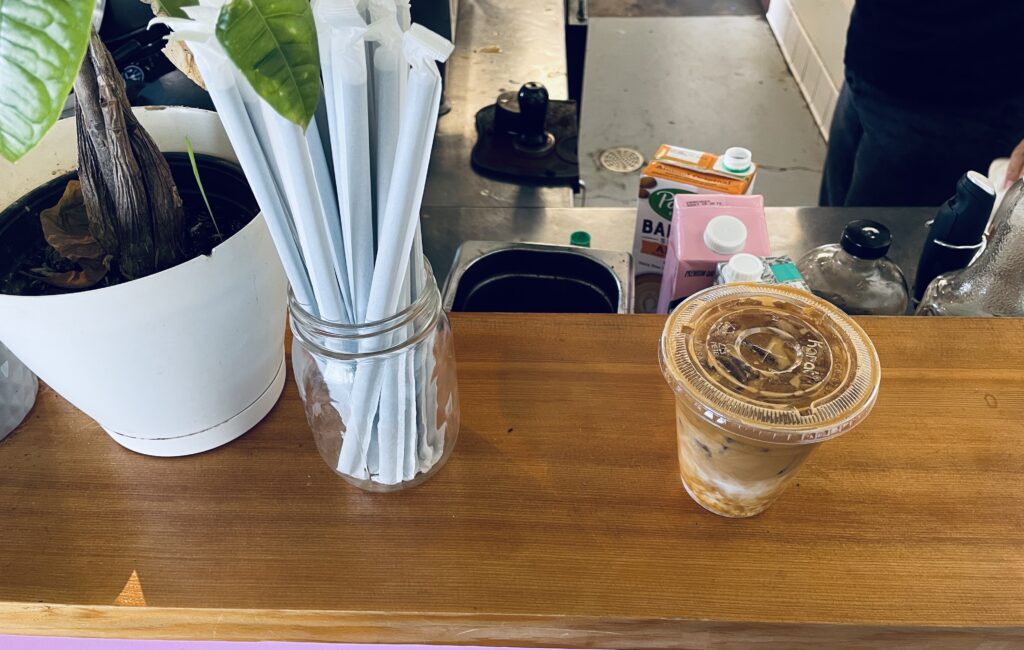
[[672, 171], [707, 230]]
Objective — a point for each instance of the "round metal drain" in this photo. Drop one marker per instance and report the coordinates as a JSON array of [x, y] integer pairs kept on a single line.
[[622, 160]]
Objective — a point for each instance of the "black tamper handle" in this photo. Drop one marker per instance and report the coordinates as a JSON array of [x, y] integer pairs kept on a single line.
[[533, 113]]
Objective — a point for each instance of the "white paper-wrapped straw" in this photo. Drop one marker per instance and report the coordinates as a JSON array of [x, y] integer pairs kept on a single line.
[[410, 412], [340, 31], [219, 75], [294, 159], [421, 373], [390, 440], [404, 15], [390, 74], [422, 49], [322, 176], [373, 453], [371, 108], [399, 399]]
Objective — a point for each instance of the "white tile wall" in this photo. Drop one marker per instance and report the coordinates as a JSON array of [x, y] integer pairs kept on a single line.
[[817, 87]]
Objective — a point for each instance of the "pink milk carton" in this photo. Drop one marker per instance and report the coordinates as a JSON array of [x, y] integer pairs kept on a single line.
[[708, 229]]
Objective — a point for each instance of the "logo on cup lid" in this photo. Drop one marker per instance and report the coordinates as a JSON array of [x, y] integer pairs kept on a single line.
[[778, 364]]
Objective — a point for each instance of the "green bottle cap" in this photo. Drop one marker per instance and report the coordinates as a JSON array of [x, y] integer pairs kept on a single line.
[[580, 238]]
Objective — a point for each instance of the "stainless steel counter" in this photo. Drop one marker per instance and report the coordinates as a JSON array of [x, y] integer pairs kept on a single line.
[[499, 46], [793, 231]]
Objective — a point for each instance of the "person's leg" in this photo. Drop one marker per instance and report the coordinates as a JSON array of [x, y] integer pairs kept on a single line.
[[913, 156], [843, 138]]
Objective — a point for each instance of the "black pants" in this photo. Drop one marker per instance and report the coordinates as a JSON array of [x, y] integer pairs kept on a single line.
[[886, 153]]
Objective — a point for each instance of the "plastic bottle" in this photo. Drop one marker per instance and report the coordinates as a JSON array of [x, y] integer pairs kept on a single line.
[[855, 275], [994, 284], [957, 233]]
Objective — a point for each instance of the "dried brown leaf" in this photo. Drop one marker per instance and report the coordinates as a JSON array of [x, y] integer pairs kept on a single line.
[[66, 229]]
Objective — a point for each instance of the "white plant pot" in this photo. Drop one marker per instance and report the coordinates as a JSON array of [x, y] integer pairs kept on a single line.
[[171, 364]]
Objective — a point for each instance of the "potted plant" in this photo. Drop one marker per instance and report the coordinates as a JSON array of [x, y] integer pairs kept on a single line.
[[144, 288]]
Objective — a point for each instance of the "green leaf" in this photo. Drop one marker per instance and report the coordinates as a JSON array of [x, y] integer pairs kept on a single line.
[[273, 43], [42, 43], [199, 182], [171, 7]]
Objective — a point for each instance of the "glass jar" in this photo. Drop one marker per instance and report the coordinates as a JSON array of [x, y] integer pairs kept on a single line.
[[381, 398]]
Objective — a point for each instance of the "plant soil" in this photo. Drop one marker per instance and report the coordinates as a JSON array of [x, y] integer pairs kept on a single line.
[[24, 250]]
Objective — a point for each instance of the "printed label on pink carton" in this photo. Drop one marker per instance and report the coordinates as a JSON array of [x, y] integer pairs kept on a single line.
[[708, 229]]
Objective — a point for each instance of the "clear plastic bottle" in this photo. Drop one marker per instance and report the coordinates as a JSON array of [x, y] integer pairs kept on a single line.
[[855, 275], [994, 284]]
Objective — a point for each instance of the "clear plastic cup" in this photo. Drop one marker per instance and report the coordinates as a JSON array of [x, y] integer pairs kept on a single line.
[[763, 374]]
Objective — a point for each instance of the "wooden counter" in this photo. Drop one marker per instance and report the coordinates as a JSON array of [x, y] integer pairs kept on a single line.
[[559, 520]]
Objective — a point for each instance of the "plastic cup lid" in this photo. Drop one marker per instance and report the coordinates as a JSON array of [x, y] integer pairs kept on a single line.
[[770, 363]]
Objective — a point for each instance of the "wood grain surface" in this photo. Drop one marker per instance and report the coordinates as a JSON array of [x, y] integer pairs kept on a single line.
[[559, 519]]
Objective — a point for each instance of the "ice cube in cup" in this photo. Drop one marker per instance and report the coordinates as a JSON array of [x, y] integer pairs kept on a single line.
[[763, 374]]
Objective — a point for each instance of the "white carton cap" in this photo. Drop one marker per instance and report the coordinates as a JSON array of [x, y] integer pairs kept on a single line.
[[725, 235], [737, 160], [743, 267]]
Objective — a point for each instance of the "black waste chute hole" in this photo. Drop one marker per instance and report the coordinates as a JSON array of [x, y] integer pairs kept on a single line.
[[517, 280]]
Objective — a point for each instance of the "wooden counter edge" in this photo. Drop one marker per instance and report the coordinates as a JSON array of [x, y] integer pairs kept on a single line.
[[125, 622]]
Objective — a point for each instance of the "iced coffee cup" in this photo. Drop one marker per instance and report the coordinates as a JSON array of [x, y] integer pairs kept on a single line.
[[763, 374]]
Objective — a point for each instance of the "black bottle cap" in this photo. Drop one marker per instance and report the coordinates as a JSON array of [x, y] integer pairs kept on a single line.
[[868, 240]]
